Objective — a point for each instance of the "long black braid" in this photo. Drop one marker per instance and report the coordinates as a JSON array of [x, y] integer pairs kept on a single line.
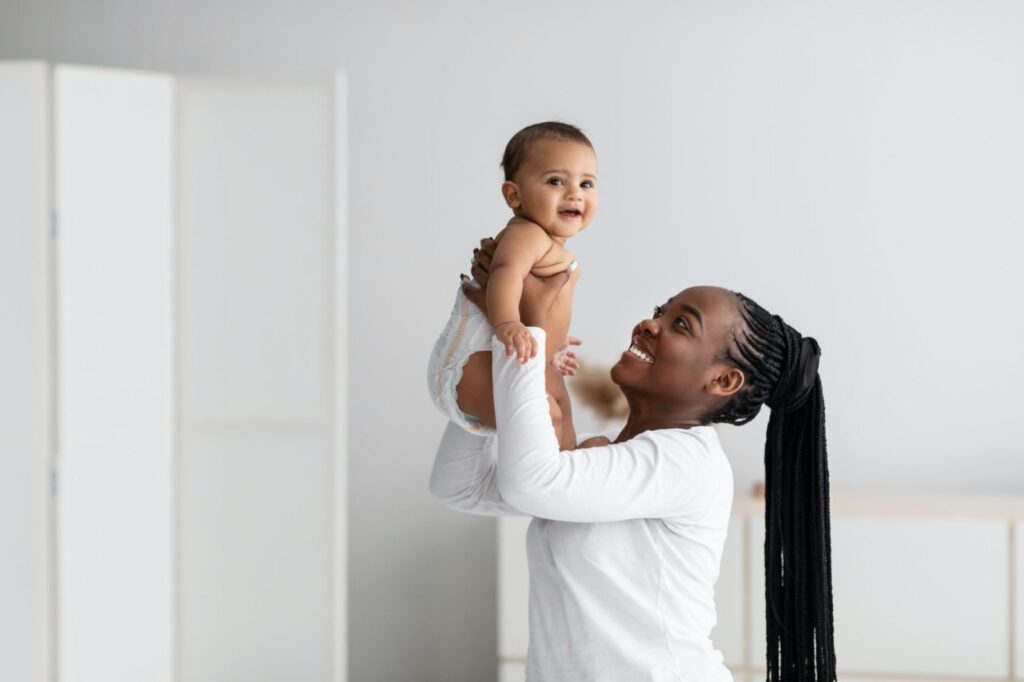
[[780, 368]]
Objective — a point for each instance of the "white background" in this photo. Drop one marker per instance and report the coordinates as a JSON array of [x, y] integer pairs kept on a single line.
[[856, 167]]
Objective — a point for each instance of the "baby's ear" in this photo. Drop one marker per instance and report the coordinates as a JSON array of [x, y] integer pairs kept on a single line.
[[511, 194]]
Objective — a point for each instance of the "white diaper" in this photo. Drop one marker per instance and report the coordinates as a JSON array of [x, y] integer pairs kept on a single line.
[[468, 331]]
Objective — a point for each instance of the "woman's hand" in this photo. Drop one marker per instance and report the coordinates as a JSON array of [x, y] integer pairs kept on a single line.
[[539, 293]]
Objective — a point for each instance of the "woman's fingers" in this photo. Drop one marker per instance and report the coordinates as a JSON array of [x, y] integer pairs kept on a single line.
[[475, 286], [480, 274], [487, 247], [485, 254], [474, 293], [481, 263]]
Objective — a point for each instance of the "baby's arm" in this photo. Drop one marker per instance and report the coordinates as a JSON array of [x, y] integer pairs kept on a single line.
[[522, 245]]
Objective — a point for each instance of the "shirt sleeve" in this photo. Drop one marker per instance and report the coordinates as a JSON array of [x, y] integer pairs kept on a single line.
[[464, 476], [658, 474]]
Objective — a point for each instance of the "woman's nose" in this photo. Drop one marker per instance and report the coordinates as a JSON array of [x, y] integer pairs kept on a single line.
[[649, 327]]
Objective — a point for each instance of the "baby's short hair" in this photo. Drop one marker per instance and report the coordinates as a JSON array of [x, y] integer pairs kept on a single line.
[[519, 146]]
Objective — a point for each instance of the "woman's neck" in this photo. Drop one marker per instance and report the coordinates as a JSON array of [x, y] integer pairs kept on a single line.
[[651, 419]]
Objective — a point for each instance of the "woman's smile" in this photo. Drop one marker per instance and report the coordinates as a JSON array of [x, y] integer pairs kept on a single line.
[[639, 349]]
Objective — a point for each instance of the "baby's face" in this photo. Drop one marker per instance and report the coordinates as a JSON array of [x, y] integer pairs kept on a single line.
[[557, 186]]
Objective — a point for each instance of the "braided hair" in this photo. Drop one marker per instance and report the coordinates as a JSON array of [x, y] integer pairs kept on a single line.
[[781, 371]]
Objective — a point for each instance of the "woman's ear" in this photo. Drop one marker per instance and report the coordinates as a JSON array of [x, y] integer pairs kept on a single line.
[[511, 194], [727, 381]]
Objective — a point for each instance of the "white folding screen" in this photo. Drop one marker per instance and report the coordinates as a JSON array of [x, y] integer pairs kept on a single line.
[[116, 374], [258, 394], [189, 396], [25, 374]]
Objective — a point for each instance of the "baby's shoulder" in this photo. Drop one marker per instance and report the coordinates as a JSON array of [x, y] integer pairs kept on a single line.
[[523, 240], [523, 229], [547, 256]]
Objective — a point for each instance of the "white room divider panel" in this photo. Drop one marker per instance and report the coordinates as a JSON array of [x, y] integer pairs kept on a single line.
[[125, 567], [258, 393], [116, 378], [25, 377]]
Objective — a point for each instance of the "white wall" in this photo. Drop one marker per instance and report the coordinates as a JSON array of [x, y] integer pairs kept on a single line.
[[854, 166]]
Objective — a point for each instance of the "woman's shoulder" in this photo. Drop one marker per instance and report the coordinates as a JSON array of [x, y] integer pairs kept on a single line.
[[697, 456], [704, 436], [697, 447]]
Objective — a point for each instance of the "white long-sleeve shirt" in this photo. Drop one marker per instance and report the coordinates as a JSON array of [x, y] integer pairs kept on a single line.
[[626, 541]]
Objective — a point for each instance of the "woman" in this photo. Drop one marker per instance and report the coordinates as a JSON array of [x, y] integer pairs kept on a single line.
[[627, 538]]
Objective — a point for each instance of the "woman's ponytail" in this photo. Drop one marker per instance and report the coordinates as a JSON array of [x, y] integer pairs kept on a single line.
[[781, 371]]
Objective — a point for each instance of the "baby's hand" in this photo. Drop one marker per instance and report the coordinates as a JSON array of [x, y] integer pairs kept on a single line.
[[517, 339], [565, 361]]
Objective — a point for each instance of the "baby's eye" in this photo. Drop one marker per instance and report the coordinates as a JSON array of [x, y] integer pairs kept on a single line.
[[587, 184], [554, 181], [658, 311]]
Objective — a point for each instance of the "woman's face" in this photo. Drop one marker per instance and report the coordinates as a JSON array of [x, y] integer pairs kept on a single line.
[[672, 355]]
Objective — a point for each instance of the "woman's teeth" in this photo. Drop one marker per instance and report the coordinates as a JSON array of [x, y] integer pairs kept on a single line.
[[640, 354]]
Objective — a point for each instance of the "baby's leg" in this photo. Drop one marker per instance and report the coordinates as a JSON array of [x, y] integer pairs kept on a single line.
[[561, 409], [476, 397], [475, 391]]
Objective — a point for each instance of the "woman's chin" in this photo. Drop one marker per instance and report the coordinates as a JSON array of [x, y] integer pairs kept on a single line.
[[619, 373]]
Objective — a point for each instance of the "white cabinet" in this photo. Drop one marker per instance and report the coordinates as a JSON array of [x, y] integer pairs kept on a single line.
[[1017, 581], [731, 596], [511, 672], [912, 595], [513, 588]]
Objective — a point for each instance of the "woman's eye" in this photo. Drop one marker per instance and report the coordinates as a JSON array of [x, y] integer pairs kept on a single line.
[[682, 322], [658, 310], [554, 181]]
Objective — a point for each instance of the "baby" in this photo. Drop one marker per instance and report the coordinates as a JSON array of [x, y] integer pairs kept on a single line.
[[551, 187]]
